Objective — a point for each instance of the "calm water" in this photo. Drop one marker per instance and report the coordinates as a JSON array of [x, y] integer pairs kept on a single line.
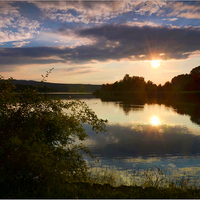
[[142, 136]]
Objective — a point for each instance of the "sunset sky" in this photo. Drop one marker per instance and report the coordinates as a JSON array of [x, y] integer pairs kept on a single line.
[[98, 42]]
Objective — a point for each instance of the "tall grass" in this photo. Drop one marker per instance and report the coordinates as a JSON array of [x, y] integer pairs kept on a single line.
[[109, 182], [152, 177]]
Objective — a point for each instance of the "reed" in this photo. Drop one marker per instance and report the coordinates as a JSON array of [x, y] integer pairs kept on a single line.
[[109, 182]]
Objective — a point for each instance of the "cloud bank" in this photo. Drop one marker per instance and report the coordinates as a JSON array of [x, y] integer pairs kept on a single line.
[[111, 42]]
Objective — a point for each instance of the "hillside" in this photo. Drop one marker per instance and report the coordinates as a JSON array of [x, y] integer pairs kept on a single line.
[[59, 87]]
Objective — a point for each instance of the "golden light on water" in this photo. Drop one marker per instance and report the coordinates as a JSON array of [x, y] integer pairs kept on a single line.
[[155, 121], [155, 63]]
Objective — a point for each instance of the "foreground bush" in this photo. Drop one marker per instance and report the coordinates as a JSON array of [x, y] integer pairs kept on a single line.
[[37, 138]]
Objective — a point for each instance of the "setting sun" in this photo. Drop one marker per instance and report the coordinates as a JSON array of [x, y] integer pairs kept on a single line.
[[155, 63], [155, 120]]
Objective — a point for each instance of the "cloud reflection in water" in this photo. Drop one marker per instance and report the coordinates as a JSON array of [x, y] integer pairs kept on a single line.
[[139, 147], [143, 140]]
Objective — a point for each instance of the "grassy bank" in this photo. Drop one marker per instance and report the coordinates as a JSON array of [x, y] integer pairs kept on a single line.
[[154, 184], [87, 190]]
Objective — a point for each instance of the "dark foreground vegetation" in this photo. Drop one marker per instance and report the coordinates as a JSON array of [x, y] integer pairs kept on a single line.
[[37, 138], [40, 159], [86, 190]]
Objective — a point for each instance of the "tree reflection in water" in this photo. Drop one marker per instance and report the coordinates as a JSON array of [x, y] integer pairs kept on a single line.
[[182, 103]]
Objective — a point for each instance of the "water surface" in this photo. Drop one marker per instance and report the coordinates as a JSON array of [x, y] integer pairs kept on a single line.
[[140, 136]]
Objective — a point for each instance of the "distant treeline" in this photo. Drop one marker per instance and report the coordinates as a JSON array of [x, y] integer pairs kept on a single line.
[[21, 88], [54, 87], [183, 82]]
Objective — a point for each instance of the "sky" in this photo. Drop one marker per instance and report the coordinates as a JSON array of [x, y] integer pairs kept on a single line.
[[98, 42]]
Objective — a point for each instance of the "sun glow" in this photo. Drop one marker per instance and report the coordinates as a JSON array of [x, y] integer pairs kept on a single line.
[[155, 63], [155, 121]]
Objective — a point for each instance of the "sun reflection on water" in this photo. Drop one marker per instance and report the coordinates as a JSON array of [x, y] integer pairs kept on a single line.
[[155, 121]]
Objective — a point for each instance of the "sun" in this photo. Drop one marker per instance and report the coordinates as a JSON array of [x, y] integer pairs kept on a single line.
[[155, 63], [155, 121]]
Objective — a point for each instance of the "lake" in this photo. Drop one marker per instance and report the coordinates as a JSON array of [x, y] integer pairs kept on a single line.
[[141, 136]]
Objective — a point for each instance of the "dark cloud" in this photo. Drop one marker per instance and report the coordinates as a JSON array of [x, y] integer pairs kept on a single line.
[[148, 41], [113, 42], [12, 58]]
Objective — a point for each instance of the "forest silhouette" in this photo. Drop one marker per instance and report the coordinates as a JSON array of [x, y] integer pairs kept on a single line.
[[182, 82]]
